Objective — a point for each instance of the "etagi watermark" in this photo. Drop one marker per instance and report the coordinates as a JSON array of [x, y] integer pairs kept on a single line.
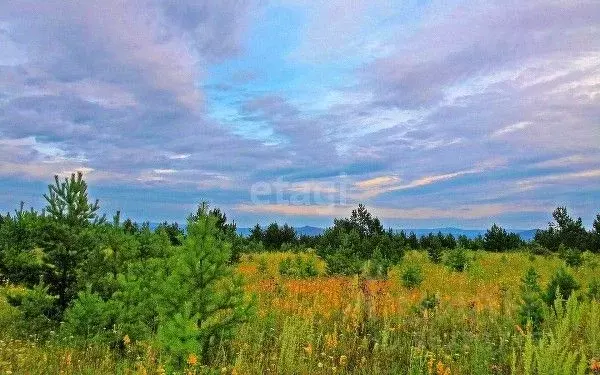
[[280, 192]]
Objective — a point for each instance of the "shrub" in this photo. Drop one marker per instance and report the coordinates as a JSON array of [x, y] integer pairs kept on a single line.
[[430, 301], [457, 259], [378, 266], [531, 306], [340, 264], [298, 267], [262, 266], [435, 254], [572, 257], [91, 319], [412, 276], [563, 282], [537, 249], [37, 308], [594, 289]]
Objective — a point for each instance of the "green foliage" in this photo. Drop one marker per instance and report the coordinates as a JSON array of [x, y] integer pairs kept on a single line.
[[595, 235], [457, 259], [378, 266], [594, 289], [498, 239], [203, 301], [37, 308], [572, 257], [298, 266], [562, 282], [565, 231], [435, 253], [531, 306], [262, 267], [412, 276], [21, 258], [275, 236], [68, 202], [429, 302], [345, 259], [537, 249], [90, 319], [172, 231]]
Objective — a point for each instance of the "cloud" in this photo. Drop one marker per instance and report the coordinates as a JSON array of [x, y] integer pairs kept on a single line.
[[558, 178], [374, 189], [466, 212], [465, 104], [376, 181], [512, 128]]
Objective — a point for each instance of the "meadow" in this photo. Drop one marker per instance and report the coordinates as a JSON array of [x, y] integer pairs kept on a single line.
[[452, 323]]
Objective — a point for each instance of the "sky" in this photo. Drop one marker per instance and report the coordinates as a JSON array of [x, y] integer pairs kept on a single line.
[[431, 113]]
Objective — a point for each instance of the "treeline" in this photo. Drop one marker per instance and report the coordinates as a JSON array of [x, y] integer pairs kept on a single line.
[[565, 232], [359, 244]]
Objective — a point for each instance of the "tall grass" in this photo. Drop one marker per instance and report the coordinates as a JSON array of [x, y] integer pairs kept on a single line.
[[350, 325]]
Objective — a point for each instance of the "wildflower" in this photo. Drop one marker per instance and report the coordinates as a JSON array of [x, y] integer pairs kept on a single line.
[[68, 359], [520, 330], [126, 340], [192, 360], [440, 369], [308, 349], [430, 365], [343, 360], [224, 370], [320, 365]]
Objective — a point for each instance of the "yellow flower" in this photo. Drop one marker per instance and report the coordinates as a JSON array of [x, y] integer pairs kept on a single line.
[[192, 360], [308, 349], [343, 360], [126, 340]]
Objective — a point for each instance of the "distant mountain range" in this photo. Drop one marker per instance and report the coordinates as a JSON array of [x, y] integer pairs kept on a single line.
[[526, 234]]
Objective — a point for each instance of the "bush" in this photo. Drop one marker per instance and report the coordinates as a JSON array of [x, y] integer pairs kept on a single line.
[[37, 308], [430, 302], [298, 267], [341, 264], [594, 289], [262, 266], [412, 276], [531, 307], [572, 257], [537, 249], [91, 319], [435, 254], [378, 266], [457, 259], [563, 282]]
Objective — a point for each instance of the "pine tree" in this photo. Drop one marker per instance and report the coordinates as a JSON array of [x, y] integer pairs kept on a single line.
[[203, 300], [67, 238]]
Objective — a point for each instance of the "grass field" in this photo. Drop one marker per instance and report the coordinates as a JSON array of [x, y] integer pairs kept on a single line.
[[452, 323]]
